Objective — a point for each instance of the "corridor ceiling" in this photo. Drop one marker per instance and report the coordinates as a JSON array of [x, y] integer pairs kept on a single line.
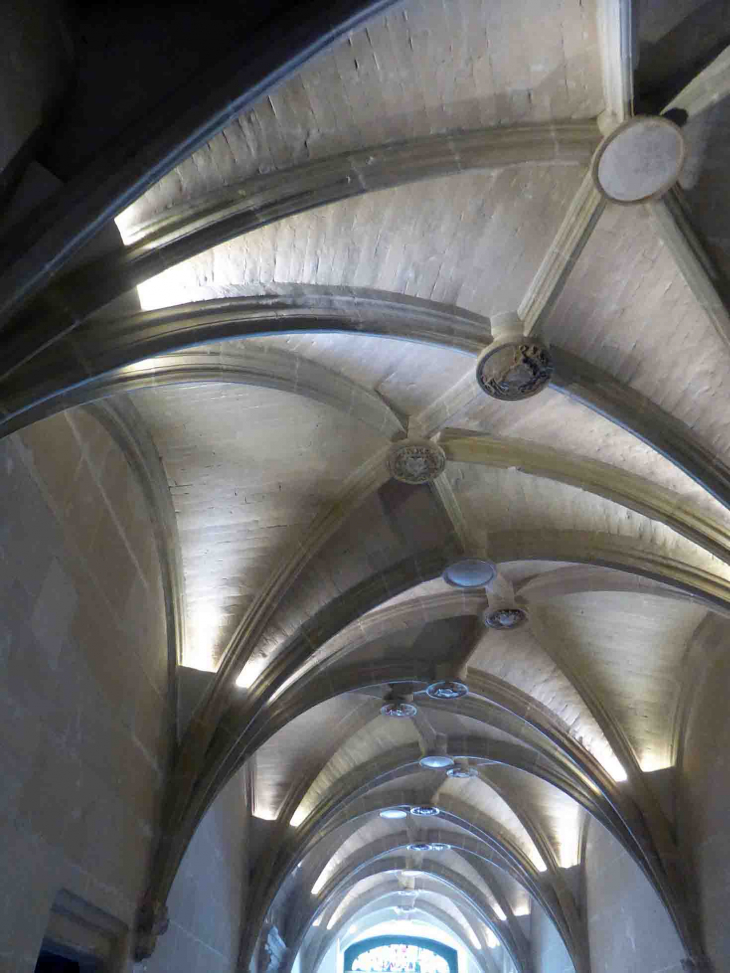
[[332, 259]]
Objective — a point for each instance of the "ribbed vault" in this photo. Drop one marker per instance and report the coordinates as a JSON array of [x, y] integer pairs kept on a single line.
[[316, 282]]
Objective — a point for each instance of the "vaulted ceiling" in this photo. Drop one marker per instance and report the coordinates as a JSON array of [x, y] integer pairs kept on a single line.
[[315, 282]]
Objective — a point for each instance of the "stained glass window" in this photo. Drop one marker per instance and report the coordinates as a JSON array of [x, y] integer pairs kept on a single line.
[[397, 957]]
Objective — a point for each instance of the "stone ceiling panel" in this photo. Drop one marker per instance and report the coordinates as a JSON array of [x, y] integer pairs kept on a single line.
[[474, 240], [425, 67], [627, 309], [493, 807], [629, 648], [299, 749], [559, 816], [519, 659], [504, 500], [249, 470], [556, 420]]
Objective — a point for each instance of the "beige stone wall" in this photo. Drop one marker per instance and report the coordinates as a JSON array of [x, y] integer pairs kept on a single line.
[[704, 792], [549, 954], [83, 680], [207, 898], [628, 927]]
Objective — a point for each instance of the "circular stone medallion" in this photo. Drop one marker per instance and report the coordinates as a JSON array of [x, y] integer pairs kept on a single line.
[[514, 370], [505, 619], [640, 160], [415, 461]]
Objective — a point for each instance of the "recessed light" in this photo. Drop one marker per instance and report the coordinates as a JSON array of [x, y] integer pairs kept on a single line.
[[399, 710], [392, 813], [505, 619], [447, 689], [425, 811], [471, 572], [436, 761], [462, 772]]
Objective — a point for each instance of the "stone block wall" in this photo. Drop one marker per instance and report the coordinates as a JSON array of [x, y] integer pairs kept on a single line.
[[704, 802], [207, 898], [549, 954], [84, 719], [628, 928]]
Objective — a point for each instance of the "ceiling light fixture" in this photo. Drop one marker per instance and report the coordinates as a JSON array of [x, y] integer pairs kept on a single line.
[[436, 761], [399, 709], [398, 705], [505, 619], [419, 846], [470, 572], [393, 813], [425, 811], [462, 771], [447, 689]]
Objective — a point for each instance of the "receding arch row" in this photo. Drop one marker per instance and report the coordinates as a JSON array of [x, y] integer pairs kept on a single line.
[[249, 724], [374, 864], [351, 797], [659, 864], [478, 838], [376, 903], [386, 891], [360, 808], [382, 899], [391, 674], [402, 760]]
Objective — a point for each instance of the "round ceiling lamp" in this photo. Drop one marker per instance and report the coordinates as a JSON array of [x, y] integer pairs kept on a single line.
[[505, 619], [436, 761], [415, 461], [462, 772], [398, 709], [640, 160], [439, 846], [425, 811], [470, 572], [514, 368], [419, 846], [447, 689], [393, 813]]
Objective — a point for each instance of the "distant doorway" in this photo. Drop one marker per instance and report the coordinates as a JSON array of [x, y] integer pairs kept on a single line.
[[49, 962]]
